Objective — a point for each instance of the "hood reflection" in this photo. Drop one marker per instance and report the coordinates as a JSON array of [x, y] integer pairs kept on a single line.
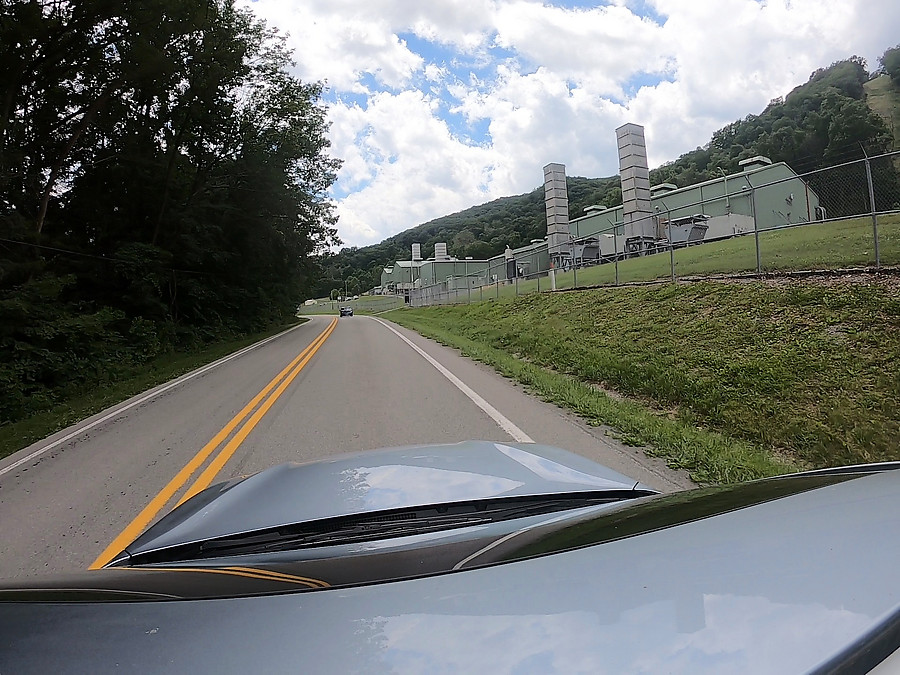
[[547, 469], [390, 486], [643, 639]]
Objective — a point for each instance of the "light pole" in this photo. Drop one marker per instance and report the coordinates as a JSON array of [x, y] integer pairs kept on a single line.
[[671, 243], [725, 189], [749, 187], [574, 261], [616, 251], [468, 282]]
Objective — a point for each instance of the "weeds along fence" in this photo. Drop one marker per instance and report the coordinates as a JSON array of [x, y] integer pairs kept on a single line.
[[843, 216]]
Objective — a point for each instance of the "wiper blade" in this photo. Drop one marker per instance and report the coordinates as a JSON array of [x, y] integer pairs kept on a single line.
[[350, 535], [384, 525]]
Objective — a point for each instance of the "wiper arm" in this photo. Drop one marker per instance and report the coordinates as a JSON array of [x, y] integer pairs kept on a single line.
[[384, 525]]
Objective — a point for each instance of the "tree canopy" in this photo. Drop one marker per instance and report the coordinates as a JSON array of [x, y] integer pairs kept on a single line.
[[163, 181], [890, 62]]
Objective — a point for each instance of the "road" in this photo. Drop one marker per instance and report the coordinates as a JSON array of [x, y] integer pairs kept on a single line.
[[356, 384]]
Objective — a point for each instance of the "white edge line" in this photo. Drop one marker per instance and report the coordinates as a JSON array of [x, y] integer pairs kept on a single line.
[[505, 423], [143, 399]]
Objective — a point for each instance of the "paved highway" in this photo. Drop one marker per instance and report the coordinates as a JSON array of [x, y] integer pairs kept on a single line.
[[325, 387]]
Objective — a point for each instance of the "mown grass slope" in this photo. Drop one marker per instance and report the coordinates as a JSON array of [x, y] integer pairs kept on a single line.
[[838, 244], [883, 97], [784, 375]]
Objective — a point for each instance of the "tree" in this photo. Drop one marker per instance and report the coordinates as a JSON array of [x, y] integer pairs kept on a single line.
[[890, 62], [163, 182]]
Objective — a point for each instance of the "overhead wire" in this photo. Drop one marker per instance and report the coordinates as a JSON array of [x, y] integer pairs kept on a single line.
[[93, 256]]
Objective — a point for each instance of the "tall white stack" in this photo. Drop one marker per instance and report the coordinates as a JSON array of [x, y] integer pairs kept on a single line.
[[556, 201], [634, 173]]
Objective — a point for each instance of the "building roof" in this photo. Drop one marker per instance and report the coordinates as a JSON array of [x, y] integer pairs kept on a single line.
[[753, 165]]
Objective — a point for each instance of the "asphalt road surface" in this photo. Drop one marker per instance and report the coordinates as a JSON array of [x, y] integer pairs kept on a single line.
[[326, 387]]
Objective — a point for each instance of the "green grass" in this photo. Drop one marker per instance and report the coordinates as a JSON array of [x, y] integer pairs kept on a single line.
[[846, 243], [18, 435], [731, 381]]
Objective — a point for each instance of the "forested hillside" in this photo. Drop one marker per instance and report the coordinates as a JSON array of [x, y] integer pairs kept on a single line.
[[162, 184], [822, 122]]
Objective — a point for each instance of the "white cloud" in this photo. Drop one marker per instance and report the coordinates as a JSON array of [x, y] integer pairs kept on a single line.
[[341, 42], [599, 48], [404, 167], [550, 83]]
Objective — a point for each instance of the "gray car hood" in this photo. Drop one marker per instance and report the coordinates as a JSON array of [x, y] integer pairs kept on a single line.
[[376, 481], [784, 586]]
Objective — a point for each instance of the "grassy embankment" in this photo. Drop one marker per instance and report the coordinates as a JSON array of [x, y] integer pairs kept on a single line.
[[731, 381], [21, 434], [839, 244]]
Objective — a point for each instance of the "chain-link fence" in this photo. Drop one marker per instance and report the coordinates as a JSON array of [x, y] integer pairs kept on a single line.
[[840, 217]]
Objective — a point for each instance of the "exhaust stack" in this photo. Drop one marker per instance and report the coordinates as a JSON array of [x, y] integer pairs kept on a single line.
[[634, 173], [556, 201]]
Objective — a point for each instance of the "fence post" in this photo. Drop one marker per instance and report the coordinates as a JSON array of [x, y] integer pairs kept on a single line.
[[616, 251], [872, 205], [517, 276], [574, 270], [671, 245], [755, 228]]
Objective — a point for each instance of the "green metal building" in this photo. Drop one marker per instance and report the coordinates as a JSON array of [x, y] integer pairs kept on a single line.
[[763, 196], [405, 275]]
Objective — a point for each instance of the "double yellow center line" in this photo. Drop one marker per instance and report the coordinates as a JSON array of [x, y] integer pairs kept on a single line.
[[279, 384]]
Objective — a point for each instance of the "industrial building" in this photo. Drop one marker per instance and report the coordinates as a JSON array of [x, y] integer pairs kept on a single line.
[[763, 195], [771, 195], [405, 275]]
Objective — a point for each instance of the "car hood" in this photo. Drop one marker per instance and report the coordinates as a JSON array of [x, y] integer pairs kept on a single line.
[[803, 583], [374, 481]]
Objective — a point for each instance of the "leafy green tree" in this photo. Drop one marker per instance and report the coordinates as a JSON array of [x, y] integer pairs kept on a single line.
[[163, 182], [890, 62]]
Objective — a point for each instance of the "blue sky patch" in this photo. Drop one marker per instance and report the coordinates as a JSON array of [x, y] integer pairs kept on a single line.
[[638, 80]]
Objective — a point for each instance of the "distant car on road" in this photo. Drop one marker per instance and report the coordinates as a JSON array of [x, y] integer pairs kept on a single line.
[[484, 557], [346, 311]]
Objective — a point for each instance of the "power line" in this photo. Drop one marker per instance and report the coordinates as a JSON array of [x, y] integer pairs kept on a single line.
[[93, 256]]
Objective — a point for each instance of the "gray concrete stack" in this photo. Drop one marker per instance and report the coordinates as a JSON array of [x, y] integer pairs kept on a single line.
[[556, 201], [635, 176]]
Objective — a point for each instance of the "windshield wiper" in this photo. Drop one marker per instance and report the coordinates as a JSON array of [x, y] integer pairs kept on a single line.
[[347, 535], [384, 525]]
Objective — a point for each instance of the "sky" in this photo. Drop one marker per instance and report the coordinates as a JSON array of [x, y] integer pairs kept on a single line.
[[439, 105]]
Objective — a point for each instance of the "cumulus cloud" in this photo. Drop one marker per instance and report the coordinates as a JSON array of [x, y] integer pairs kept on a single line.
[[404, 166], [439, 106]]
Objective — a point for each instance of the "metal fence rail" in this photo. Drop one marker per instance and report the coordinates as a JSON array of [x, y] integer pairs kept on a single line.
[[844, 216]]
